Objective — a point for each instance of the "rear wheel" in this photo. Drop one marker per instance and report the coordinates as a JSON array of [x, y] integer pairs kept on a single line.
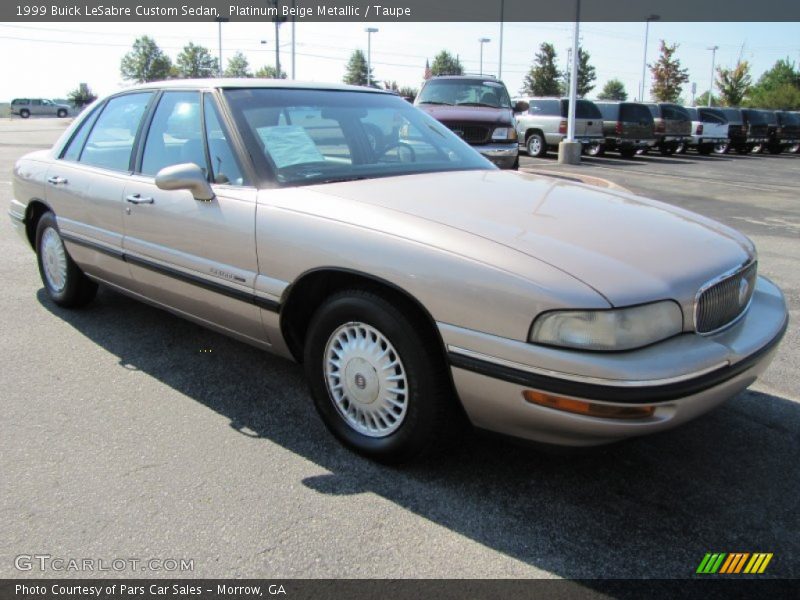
[[642, 151], [596, 150], [536, 145], [63, 280], [794, 149], [377, 377], [62, 113], [680, 148], [721, 148], [24, 113]]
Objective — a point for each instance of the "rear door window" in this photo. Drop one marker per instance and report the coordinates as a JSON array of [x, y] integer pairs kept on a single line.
[[73, 149], [111, 140]]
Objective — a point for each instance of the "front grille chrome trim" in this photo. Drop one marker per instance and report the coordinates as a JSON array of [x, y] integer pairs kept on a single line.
[[717, 297]]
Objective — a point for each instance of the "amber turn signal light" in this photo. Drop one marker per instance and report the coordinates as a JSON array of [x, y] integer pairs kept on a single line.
[[589, 409]]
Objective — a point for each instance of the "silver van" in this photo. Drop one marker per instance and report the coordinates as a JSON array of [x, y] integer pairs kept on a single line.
[[25, 107], [542, 123]]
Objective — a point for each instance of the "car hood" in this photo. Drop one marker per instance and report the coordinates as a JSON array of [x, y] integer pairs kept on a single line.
[[478, 114], [628, 248]]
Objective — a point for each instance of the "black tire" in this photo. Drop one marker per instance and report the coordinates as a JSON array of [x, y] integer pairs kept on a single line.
[[754, 148], [681, 148], [642, 151], [628, 152], [61, 113], [793, 149], [428, 401], [596, 150], [536, 145], [77, 290], [24, 113]]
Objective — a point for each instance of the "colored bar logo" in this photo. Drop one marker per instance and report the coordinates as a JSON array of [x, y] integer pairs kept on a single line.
[[723, 563]]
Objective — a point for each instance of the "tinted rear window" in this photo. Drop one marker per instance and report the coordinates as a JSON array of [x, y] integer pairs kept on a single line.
[[712, 115], [584, 109], [635, 112], [654, 110], [790, 118], [609, 111], [755, 117], [733, 115], [693, 114], [674, 112]]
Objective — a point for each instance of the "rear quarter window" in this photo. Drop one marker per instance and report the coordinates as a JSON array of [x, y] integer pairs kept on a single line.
[[675, 113], [609, 111], [636, 112], [584, 109], [546, 108]]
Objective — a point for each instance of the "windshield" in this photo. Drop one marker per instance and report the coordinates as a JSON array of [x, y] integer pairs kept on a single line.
[[316, 136], [465, 92]]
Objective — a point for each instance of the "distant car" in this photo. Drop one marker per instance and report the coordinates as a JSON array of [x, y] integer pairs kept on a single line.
[[757, 124], [790, 124], [672, 125], [477, 109], [737, 130], [783, 133], [412, 279], [627, 127], [26, 107], [542, 123], [709, 129]]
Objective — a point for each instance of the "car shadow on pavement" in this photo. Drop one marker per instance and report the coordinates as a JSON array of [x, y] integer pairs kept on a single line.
[[649, 507]]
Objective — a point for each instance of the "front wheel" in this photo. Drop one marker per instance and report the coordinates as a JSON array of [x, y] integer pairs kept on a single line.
[[63, 280], [680, 148], [536, 146], [721, 148], [378, 381], [793, 149], [62, 113], [24, 113], [596, 150]]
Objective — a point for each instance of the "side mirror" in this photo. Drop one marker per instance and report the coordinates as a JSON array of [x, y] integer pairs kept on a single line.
[[521, 106], [186, 176]]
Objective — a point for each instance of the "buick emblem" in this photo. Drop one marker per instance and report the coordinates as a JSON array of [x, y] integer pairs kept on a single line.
[[361, 381], [744, 288]]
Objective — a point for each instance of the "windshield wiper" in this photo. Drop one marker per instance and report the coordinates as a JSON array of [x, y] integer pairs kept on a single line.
[[435, 102], [476, 104]]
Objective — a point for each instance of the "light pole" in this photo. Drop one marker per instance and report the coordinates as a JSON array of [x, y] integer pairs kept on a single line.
[[711, 83], [294, 20], [370, 31], [500, 60], [644, 61], [483, 41], [569, 151], [220, 21]]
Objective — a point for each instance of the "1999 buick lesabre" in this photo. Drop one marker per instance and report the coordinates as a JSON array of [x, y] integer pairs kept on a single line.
[[345, 229]]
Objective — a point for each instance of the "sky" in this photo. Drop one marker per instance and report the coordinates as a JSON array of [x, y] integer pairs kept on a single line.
[[50, 59]]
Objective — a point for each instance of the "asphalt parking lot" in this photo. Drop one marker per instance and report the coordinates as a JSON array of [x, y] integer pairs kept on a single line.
[[130, 433]]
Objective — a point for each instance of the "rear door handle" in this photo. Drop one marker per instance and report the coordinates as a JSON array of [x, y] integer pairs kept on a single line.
[[137, 199], [56, 180]]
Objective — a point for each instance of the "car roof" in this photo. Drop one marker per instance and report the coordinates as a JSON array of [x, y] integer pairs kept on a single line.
[[249, 83]]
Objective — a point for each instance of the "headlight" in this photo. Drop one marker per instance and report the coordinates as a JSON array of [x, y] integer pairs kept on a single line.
[[504, 134], [617, 329]]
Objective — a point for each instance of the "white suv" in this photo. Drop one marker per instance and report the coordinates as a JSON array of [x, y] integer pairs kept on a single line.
[[25, 107]]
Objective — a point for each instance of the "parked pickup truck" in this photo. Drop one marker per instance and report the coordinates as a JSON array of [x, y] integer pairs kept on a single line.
[[673, 126], [709, 129]]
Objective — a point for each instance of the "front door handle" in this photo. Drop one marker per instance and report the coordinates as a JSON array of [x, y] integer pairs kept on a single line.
[[56, 180], [137, 199]]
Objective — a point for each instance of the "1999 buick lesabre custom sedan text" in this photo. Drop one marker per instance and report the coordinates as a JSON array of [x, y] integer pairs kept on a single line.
[[347, 230]]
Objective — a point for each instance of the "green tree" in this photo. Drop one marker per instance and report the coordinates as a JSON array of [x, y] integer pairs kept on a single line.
[[586, 75], [543, 78], [356, 73], [733, 84], [777, 88], [614, 89], [668, 76], [445, 63], [238, 66], [81, 96], [196, 62], [407, 91], [268, 72], [146, 62], [702, 100]]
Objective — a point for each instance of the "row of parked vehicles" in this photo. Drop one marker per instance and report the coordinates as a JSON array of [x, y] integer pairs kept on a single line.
[[479, 109]]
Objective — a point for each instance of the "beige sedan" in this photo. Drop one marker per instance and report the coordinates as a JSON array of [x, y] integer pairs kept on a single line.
[[345, 229]]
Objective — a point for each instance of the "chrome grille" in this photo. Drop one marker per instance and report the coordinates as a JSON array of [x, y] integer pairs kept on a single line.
[[723, 301], [470, 132]]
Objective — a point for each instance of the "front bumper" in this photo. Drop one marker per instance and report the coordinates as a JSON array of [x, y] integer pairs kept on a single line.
[[502, 155], [682, 377]]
